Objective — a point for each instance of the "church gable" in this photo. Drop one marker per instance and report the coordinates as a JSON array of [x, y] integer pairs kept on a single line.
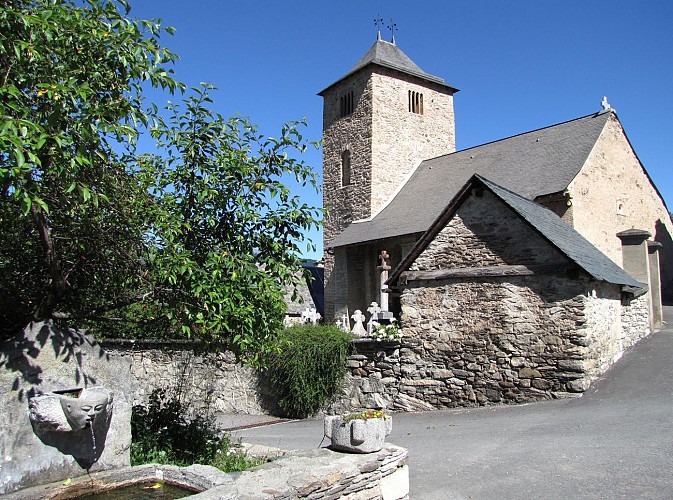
[[613, 193], [485, 232], [487, 226]]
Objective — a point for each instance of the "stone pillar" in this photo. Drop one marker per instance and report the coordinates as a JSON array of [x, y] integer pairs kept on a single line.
[[336, 285], [655, 284], [635, 259]]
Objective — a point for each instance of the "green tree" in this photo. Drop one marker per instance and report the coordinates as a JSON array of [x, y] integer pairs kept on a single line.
[[200, 238], [70, 103], [227, 227]]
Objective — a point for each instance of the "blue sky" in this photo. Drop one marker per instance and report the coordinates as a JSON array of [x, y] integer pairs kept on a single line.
[[520, 65]]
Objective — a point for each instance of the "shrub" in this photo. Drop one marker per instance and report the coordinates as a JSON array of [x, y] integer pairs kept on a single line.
[[307, 367], [163, 434]]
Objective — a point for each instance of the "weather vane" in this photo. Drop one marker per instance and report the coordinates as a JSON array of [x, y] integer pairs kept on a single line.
[[378, 21], [393, 28]]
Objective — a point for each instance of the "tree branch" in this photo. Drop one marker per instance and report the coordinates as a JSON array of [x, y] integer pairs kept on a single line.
[[99, 311]]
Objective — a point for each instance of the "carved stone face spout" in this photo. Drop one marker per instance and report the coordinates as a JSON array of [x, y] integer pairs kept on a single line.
[[83, 411]]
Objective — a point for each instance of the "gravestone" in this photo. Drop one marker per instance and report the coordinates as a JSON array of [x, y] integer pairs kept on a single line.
[[373, 310], [358, 326], [310, 315]]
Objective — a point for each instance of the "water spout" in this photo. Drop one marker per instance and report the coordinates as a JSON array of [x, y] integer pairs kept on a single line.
[[93, 437]]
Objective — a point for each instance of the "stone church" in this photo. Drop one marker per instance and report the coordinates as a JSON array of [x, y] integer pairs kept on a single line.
[[519, 268]]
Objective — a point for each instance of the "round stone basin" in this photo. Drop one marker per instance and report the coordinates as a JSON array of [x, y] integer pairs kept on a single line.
[[140, 482], [141, 491]]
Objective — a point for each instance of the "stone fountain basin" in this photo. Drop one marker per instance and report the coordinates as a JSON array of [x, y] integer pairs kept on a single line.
[[196, 477], [317, 473]]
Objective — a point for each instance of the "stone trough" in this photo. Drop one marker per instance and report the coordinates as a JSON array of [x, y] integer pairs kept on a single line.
[[319, 473]]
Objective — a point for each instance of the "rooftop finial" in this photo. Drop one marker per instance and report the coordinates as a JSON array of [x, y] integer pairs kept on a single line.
[[378, 21], [393, 28], [606, 105]]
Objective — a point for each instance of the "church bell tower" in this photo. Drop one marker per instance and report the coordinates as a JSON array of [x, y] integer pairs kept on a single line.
[[380, 121]]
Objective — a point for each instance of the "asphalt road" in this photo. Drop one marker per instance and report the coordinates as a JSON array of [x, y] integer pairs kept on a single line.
[[616, 441]]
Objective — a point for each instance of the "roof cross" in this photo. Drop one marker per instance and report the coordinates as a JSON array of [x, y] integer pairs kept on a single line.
[[393, 28], [378, 22]]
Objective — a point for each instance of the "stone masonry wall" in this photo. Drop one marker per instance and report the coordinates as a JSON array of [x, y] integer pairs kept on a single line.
[[202, 380], [373, 380], [493, 341], [352, 133], [635, 321], [526, 349], [402, 139], [351, 202]]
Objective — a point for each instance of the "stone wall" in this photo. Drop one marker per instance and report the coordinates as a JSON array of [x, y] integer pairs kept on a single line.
[[202, 380], [373, 380], [402, 139], [635, 321], [494, 341], [353, 133]]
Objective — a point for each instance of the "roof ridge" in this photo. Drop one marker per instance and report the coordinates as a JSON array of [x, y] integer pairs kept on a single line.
[[495, 141]]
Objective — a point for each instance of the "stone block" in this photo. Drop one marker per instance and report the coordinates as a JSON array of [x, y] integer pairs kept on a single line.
[[529, 373], [541, 384], [578, 385], [574, 365], [396, 485], [517, 361], [441, 374]]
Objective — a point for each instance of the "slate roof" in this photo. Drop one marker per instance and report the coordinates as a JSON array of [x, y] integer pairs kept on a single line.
[[532, 164], [545, 222], [389, 55]]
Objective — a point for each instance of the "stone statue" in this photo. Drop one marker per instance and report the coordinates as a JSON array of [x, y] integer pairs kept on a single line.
[[74, 421], [605, 104], [74, 410], [81, 412], [358, 328]]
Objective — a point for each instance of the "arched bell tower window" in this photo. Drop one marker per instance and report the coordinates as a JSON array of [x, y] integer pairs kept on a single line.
[[345, 168], [415, 102]]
